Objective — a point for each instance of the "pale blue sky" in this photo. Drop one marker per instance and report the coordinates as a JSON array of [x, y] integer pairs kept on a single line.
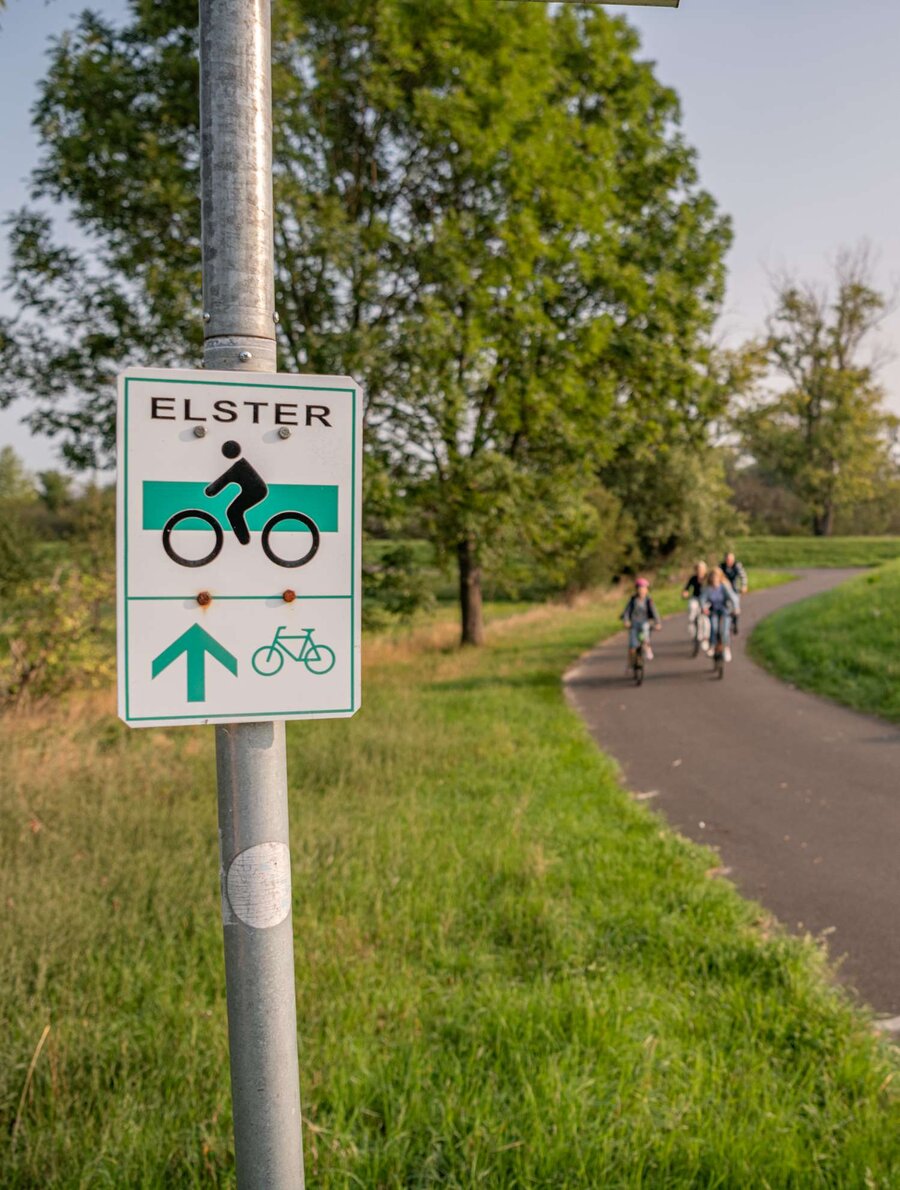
[[792, 105]]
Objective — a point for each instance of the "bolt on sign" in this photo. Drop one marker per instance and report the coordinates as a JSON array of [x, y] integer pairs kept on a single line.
[[239, 559]]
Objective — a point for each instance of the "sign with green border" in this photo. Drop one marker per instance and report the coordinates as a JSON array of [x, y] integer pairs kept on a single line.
[[239, 555]]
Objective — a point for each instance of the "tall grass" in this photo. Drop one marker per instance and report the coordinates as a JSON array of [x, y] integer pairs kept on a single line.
[[509, 973], [817, 551], [844, 644]]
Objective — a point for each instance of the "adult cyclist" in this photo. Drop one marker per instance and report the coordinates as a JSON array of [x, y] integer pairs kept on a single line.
[[698, 625], [736, 575], [719, 605]]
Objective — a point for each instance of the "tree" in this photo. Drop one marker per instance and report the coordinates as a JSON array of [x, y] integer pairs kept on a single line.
[[554, 301], [16, 484], [55, 490], [813, 418], [767, 507], [486, 212], [679, 501]]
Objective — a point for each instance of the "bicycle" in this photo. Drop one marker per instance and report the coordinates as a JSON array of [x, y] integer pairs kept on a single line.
[[640, 656], [268, 660], [698, 626], [219, 537], [719, 661], [718, 653]]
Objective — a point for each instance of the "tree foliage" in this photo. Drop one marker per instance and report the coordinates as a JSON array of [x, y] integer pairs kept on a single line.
[[56, 584], [486, 212], [813, 418], [50, 639], [16, 484], [679, 500]]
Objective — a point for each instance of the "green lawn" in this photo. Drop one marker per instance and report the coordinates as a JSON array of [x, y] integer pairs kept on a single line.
[[817, 551], [844, 644], [509, 973]]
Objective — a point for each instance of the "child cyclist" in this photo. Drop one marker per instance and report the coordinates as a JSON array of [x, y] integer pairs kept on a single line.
[[640, 615]]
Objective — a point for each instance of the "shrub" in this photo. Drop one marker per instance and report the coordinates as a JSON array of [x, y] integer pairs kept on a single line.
[[54, 643]]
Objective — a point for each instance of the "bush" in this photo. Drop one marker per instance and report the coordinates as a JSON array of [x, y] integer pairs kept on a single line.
[[397, 581], [53, 639]]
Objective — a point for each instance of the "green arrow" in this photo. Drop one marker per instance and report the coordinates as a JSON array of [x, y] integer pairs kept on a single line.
[[195, 643]]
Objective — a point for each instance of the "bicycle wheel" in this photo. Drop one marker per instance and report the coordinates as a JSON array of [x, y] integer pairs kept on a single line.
[[267, 660], [720, 666], [279, 519], [187, 515], [695, 647], [639, 668], [319, 659]]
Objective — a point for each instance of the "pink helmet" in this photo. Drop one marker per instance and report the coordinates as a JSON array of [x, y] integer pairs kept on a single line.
[[641, 582]]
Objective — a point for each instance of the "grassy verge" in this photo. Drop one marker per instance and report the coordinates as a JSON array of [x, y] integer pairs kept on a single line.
[[844, 644], [817, 551], [509, 974]]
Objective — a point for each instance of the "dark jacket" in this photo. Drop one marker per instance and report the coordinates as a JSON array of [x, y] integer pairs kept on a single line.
[[736, 575], [637, 613]]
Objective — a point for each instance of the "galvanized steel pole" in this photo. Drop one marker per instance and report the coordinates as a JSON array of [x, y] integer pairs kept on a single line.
[[239, 317]]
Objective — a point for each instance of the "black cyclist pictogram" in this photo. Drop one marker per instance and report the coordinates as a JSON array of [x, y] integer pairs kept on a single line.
[[252, 490]]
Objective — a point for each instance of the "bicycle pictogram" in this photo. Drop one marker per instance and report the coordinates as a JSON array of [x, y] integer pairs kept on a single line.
[[253, 489], [269, 659]]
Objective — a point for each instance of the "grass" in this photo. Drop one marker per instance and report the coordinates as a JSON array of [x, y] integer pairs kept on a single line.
[[817, 551], [844, 644], [509, 973]]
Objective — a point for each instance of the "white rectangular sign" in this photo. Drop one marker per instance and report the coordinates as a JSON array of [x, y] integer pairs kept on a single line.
[[238, 546]]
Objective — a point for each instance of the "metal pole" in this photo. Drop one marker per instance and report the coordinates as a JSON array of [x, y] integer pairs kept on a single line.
[[259, 955], [239, 317]]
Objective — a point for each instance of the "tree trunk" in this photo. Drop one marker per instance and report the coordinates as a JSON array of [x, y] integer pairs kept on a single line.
[[823, 521], [470, 603]]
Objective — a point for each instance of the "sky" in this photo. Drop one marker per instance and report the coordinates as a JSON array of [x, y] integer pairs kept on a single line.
[[791, 105]]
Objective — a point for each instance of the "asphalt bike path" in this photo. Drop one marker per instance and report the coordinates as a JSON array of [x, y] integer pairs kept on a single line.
[[801, 797]]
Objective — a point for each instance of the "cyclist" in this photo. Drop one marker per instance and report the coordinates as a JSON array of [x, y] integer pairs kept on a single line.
[[698, 625], [737, 576], [719, 604], [640, 613], [253, 490]]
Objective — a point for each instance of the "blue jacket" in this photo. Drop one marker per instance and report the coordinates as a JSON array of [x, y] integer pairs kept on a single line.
[[719, 599]]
